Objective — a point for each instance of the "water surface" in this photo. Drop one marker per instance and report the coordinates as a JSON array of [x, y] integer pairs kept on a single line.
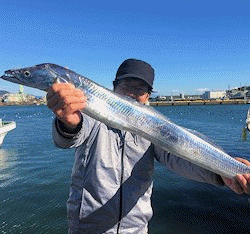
[[35, 176]]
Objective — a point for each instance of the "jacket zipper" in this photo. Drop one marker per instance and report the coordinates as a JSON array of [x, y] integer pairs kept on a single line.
[[121, 181]]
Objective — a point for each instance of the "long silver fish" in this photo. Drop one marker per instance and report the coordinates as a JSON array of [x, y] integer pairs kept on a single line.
[[126, 114]]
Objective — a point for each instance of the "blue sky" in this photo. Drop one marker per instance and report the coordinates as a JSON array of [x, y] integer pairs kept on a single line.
[[193, 45]]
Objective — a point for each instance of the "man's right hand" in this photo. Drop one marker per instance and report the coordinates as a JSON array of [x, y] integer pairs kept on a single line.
[[66, 102]]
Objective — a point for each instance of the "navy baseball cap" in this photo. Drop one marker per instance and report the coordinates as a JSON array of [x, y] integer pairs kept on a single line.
[[134, 68]]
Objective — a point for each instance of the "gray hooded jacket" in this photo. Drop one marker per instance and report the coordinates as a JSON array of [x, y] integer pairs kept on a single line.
[[112, 178]]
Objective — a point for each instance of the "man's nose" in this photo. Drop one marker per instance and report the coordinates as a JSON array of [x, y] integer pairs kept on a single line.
[[131, 95]]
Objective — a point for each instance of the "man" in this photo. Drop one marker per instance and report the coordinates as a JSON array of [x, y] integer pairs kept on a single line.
[[112, 174]]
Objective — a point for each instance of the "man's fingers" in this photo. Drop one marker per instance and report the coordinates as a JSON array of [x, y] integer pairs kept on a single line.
[[73, 107], [233, 184], [67, 106], [64, 97], [67, 95], [59, 113], [57, 87], [72, 98], [66, 102], [244, 181], [247, 177], [52, 102], [243, 161]]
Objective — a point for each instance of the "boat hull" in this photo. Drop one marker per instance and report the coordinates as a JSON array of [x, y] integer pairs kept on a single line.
[[5, 127]]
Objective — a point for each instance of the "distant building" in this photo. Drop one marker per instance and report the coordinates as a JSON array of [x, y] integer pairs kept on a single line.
[[180, 97], [214, 94], [17, 97], [235, 93], [239, 93], [161, 98], [193, 97], [3, 92]]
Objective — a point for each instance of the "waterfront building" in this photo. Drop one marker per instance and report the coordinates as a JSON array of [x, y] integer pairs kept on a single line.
[[19, 97], [214, 95]]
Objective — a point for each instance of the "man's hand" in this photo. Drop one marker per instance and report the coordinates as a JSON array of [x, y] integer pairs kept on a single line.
[[66, 102], [241, 183]]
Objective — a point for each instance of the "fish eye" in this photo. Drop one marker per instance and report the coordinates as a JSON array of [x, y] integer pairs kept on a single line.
[[27, 73]]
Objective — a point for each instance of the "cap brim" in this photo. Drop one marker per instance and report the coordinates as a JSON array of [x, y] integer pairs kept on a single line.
[[132, 76]]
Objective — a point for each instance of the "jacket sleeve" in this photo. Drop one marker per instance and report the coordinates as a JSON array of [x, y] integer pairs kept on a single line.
[[64, 139], [186, 168]]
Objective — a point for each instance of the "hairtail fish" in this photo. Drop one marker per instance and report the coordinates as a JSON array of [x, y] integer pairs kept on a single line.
[[127, 114]]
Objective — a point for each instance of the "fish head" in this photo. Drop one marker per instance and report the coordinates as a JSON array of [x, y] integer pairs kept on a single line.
[[41, 76]]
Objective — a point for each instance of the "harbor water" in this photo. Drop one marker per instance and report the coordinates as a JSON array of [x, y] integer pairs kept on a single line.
[[35, 176]]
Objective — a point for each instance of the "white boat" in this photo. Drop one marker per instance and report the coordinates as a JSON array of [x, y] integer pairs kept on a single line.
[[5, 127], [248, 120]]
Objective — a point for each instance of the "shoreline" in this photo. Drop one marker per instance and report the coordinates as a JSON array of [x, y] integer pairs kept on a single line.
[[199, 102], [23, 104], [156, 103]]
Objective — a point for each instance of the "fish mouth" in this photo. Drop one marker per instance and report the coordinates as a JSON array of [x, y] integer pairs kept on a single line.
[[11, 76]]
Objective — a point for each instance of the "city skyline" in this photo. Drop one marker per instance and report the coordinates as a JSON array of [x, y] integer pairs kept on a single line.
[[154, 94], [192, 46]]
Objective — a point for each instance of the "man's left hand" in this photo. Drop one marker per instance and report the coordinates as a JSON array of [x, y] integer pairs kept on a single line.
[[241, 183]]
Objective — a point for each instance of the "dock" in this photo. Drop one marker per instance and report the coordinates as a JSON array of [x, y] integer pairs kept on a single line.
[[199, 102]]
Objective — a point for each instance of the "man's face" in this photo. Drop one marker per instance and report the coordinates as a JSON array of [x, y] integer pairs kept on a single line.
[[134, 88]]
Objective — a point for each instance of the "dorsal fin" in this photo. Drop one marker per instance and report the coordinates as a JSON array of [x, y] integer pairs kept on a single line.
[[205, 138]]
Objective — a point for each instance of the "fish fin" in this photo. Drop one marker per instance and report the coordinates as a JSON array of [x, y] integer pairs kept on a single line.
[[59, 79], [205, 138]]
